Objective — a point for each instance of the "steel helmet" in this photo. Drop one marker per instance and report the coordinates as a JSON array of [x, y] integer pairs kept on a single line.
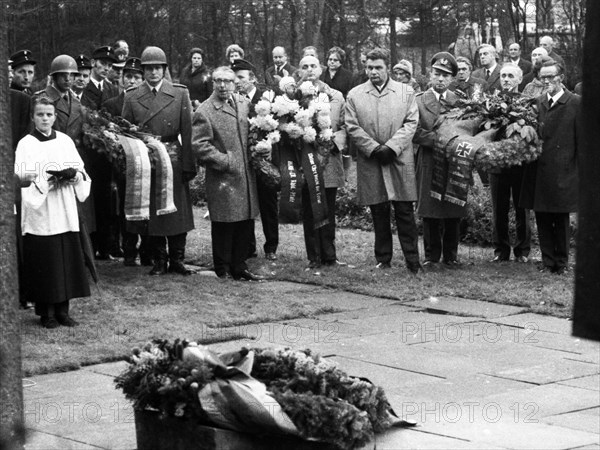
[[63, 64], [153, 55]]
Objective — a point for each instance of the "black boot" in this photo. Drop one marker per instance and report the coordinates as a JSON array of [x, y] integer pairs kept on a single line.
[[130, 249], [159, 250], [177, 254]]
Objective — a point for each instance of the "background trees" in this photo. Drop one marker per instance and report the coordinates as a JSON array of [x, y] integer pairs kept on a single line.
[[412, 29]]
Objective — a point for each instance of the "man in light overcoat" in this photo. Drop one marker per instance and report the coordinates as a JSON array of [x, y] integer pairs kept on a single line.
[[220, 141], [381, 118]]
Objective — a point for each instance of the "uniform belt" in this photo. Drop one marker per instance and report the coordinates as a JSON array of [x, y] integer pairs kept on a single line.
[[165, 139]]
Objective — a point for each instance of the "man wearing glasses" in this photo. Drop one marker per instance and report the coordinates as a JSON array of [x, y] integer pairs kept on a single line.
[[551, 183], [220, 140]]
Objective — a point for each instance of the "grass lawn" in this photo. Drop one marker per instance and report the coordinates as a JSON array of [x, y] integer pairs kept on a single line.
[[129, 307]]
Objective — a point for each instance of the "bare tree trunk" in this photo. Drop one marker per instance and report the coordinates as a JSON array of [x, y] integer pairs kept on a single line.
[[11, 387], [393, 35]]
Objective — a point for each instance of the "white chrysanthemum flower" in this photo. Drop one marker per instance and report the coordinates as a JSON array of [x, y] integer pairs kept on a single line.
[[310, 134], [274, 136], [308, 88], [294, 131], [263, 107], [303, 118], [324, 121], [264, 145], [283, 105], [326, 134], [267, 123]]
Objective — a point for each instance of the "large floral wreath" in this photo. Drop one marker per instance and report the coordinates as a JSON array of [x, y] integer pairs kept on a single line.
[[302, 393]]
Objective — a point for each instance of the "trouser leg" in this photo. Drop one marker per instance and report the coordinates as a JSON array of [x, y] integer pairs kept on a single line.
[[450, 239], [523, 243], [407, 231], [327, 232], [561, 239], [500, 193], [240, 238], [432, 238], [311, 236], [383, 232], [222, 244], [269, 215], [545, 226]]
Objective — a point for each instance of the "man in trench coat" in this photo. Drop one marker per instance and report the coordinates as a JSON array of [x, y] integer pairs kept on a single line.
[[551, 184], [165, 109], [381, 118], [220, 143]]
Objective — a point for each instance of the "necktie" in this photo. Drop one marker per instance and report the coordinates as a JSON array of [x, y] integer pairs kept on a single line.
[[154, 91], [67, 99], [550, 103], [487, 73]]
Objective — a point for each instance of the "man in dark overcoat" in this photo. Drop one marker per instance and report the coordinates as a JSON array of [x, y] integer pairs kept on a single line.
[[220, 142], [99, 88], [490, 69], [505, 184], [465, 82], [165, 110], [441, 219], [267, 195], [551, 184], [280, 68]]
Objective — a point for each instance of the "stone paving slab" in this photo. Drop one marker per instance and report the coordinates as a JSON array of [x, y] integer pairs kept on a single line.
[[513, 435], [413, 438], [591, 382], [537, 322], [587, 420], [391, 379], [539, 402], [552, 371], [37, 440], [472, 308], [393, 308], [81, 406]]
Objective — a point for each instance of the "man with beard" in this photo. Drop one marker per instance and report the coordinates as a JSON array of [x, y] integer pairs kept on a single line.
[[23, 71], [551, 183], [165, 109], [381, 118], [506, 184], [320, 242], [267, 196], [441, 219], [220, 142], [82, 77]]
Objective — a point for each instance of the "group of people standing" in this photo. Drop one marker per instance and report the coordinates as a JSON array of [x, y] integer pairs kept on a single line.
[[376, 113]]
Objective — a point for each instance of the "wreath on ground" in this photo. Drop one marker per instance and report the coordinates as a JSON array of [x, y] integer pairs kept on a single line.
[[302, 393]]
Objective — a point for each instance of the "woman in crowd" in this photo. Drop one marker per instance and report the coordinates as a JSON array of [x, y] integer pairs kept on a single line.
[[196, 76], [336, 77], [403, 73], [234, 52], [54, 271]]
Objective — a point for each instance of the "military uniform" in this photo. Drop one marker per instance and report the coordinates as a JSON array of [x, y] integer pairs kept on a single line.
[[167, 114]]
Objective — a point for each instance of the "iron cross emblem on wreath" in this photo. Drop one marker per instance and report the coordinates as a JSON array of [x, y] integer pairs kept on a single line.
[[464, 149]]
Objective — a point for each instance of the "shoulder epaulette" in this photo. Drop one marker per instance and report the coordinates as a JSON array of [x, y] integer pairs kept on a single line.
[[179, 85]]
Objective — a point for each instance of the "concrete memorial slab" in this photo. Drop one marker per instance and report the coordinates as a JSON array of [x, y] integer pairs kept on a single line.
[[586, 420], [538, 322], [468, 307], [591, 382]]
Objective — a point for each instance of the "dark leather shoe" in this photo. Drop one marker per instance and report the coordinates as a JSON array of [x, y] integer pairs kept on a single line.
[[383, 265], [415, 268], [271, 256], [105, 257], [160, 268], [179, 267], [67, 321], [117, 253], [335, 263], [314, 265], [498, 258], [145, 261], [130, 262], [49, 322], [522, 259], [225, 276], [453, 263], [248, 276]]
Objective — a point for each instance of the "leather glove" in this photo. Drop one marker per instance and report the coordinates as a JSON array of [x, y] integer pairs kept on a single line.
[[188, 176], [387, 155], [376, 153]]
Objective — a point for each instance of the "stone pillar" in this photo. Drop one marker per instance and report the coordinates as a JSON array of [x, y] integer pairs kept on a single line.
[[586, 314], [11, 387]]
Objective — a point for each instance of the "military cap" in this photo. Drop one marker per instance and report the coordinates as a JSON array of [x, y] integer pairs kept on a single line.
[[133, 64], [105, 52], [22, 57], [83, 62], [242, 64], [119, 65], [445, 62]]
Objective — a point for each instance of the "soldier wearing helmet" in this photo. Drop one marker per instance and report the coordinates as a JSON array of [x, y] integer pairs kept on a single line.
[[165, 109], [100, 88]]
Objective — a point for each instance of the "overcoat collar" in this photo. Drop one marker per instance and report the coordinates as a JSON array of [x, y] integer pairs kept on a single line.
[[562, 100], [155, 103]]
